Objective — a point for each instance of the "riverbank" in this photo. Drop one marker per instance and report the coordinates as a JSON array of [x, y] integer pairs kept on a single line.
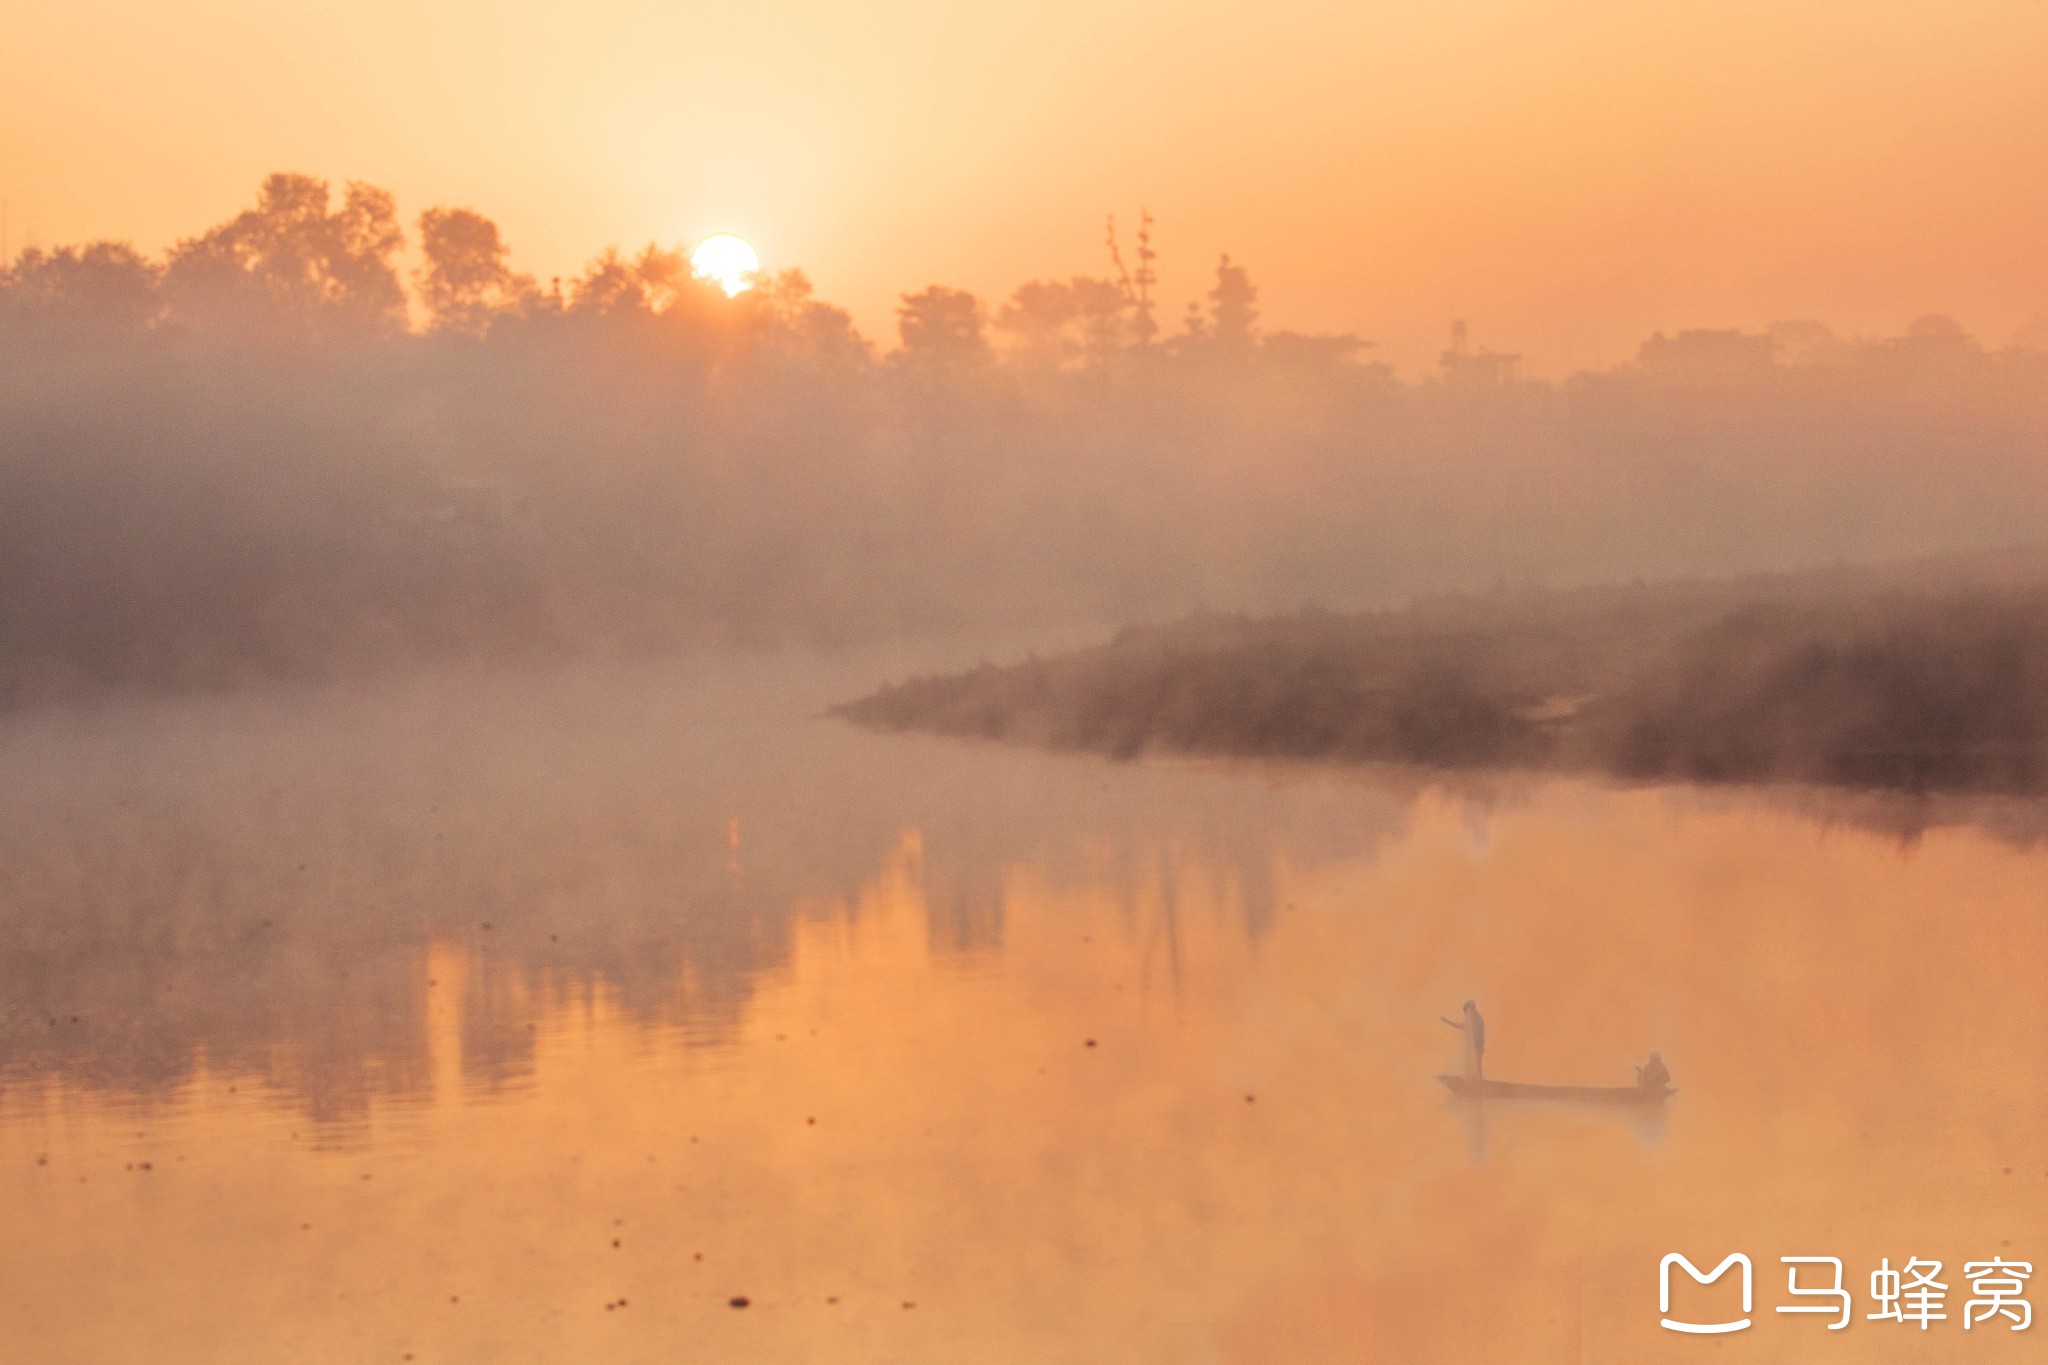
[[1922, 679]]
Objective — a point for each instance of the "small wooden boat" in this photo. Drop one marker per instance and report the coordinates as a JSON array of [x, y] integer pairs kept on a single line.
[[1465, 1088]]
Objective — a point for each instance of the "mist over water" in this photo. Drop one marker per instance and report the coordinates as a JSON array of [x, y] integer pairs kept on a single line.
[[193, 878]]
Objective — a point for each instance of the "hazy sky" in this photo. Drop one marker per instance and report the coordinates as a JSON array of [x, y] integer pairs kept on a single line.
[[1568, 175]]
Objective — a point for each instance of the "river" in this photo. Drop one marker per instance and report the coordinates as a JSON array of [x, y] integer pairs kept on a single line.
[[647, 1014]]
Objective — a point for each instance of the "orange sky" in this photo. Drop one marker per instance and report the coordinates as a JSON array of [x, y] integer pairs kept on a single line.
[[1569, 175]]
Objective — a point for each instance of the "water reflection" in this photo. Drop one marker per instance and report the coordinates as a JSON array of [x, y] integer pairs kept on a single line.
[[535, 1020], [256, 883], [1477, 1119]]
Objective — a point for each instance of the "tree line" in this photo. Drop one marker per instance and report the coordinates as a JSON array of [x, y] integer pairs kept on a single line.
[[280, 450]]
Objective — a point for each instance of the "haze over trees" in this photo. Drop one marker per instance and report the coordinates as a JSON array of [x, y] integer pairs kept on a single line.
[[323, 436]]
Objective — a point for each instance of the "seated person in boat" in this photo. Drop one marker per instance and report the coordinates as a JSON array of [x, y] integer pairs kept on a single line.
[[1651, 1075]]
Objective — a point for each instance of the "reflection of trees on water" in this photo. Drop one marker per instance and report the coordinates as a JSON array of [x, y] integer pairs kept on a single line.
[[261, 892], [2021, 822], [265, 893]]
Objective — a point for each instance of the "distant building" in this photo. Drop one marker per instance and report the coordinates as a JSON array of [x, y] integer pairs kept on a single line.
[[1466, 369]]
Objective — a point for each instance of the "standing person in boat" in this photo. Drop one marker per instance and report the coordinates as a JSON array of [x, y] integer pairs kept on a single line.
[[1474, 1029], [1652, 1075]]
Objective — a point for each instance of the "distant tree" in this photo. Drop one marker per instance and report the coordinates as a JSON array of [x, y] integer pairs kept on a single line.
[[608, 284], [1233, 311], [102, 288], [654, 282], [1312, 351], [1803, 342], [366, 235], [1144, 326], [291, 260], [1099, 313], [465, 281], [942, 326], [1136, 286], [1934, 355], [782, 309], [666, 279], [1055, 323], [1936, 327]]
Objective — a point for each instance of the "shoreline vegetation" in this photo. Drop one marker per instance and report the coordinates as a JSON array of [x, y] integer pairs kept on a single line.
[[1924, 679]]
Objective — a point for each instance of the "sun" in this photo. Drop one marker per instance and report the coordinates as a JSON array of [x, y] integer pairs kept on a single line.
[[727, 261]]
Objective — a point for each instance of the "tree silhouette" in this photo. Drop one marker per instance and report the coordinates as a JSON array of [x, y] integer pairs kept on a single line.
[[783, 313], [465, 280], [1059, 323], [291, 261], [1233, 314], [1136, 287], [942, 326], [95, 291]]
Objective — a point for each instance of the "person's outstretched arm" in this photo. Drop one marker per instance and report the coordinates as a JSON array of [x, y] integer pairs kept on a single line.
[[1453, 1023]]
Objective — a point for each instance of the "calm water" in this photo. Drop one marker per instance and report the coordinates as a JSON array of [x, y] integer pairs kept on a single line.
[[534, 1020]]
